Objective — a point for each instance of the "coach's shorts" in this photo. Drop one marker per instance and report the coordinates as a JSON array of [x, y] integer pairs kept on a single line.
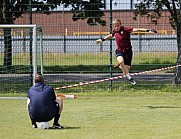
[[57, 107], [127, 55], [49, 116]]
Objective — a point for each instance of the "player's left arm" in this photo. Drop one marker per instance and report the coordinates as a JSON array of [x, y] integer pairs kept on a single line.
[[144, 30]]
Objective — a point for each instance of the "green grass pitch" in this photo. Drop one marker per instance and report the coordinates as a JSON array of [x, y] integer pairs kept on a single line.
[[115, 115]]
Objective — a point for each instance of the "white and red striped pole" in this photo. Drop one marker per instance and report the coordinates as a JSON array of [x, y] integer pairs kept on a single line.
[[114, 78], [66, 96]]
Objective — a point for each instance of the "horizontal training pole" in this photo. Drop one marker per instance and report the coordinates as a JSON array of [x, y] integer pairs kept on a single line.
[[66, 96], [115, 78]]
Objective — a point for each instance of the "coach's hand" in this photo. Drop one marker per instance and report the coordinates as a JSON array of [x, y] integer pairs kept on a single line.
[[99, 41]]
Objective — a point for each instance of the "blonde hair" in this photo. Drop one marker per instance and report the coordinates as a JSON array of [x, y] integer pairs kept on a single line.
[[116, 21]]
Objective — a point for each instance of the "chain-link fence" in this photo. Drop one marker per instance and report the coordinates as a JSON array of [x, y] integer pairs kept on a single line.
[[71, 55]]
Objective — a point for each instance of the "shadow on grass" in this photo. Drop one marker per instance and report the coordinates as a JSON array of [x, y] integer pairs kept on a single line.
[[65, 128], [160, 107]]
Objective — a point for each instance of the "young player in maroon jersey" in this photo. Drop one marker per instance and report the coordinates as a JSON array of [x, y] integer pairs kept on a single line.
[[124, 49]]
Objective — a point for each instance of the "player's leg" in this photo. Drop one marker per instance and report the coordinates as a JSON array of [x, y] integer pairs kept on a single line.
[[128, 67], [125, 69], [121, 63], [122, 66], [124, 62], [127, 61], [132, 81], [59, 108]]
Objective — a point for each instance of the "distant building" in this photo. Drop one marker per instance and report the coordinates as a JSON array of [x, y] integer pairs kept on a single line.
[[61, 23]]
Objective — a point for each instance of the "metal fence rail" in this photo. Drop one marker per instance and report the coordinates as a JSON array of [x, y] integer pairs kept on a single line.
[[82, 44]]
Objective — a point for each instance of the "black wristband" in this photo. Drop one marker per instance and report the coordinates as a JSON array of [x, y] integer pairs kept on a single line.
[[103, 39], [151, 30]]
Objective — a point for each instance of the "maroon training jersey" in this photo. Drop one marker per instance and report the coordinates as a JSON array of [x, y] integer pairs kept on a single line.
[[123, 38]]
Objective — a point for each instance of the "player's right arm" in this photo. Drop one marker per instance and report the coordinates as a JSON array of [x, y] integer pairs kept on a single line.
[[108, 37]]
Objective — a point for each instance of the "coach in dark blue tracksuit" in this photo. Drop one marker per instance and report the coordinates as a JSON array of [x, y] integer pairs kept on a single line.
[[42, 103]]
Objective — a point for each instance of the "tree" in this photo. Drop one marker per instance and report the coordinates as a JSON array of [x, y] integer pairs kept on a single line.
[[12, 9], [152, 9], [90, 10]]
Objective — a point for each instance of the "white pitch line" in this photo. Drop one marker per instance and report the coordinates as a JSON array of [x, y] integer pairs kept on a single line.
[[13, 98]]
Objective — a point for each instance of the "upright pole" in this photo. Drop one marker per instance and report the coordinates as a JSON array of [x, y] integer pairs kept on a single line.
[[30, 33], [131, 4], [139, 36], [110, 66], [179, 29], [34, 54], [64, 36], [41, 51]]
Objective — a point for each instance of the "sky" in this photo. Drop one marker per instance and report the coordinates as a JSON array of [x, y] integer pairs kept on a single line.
[[116, 5]]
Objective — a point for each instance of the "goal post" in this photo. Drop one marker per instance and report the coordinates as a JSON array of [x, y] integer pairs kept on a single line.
[[19, 32]]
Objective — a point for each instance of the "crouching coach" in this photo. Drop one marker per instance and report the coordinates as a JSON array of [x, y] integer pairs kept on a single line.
[[42, 103]]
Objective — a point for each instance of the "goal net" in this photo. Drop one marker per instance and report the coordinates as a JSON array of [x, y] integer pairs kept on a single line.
[[21, 56]]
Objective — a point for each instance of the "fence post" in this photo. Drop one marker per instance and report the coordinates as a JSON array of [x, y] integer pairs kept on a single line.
[[31, 57]]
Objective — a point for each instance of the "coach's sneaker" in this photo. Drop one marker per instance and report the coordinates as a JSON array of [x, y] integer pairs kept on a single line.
[[132, 81], [58, 126], [34, 125]]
